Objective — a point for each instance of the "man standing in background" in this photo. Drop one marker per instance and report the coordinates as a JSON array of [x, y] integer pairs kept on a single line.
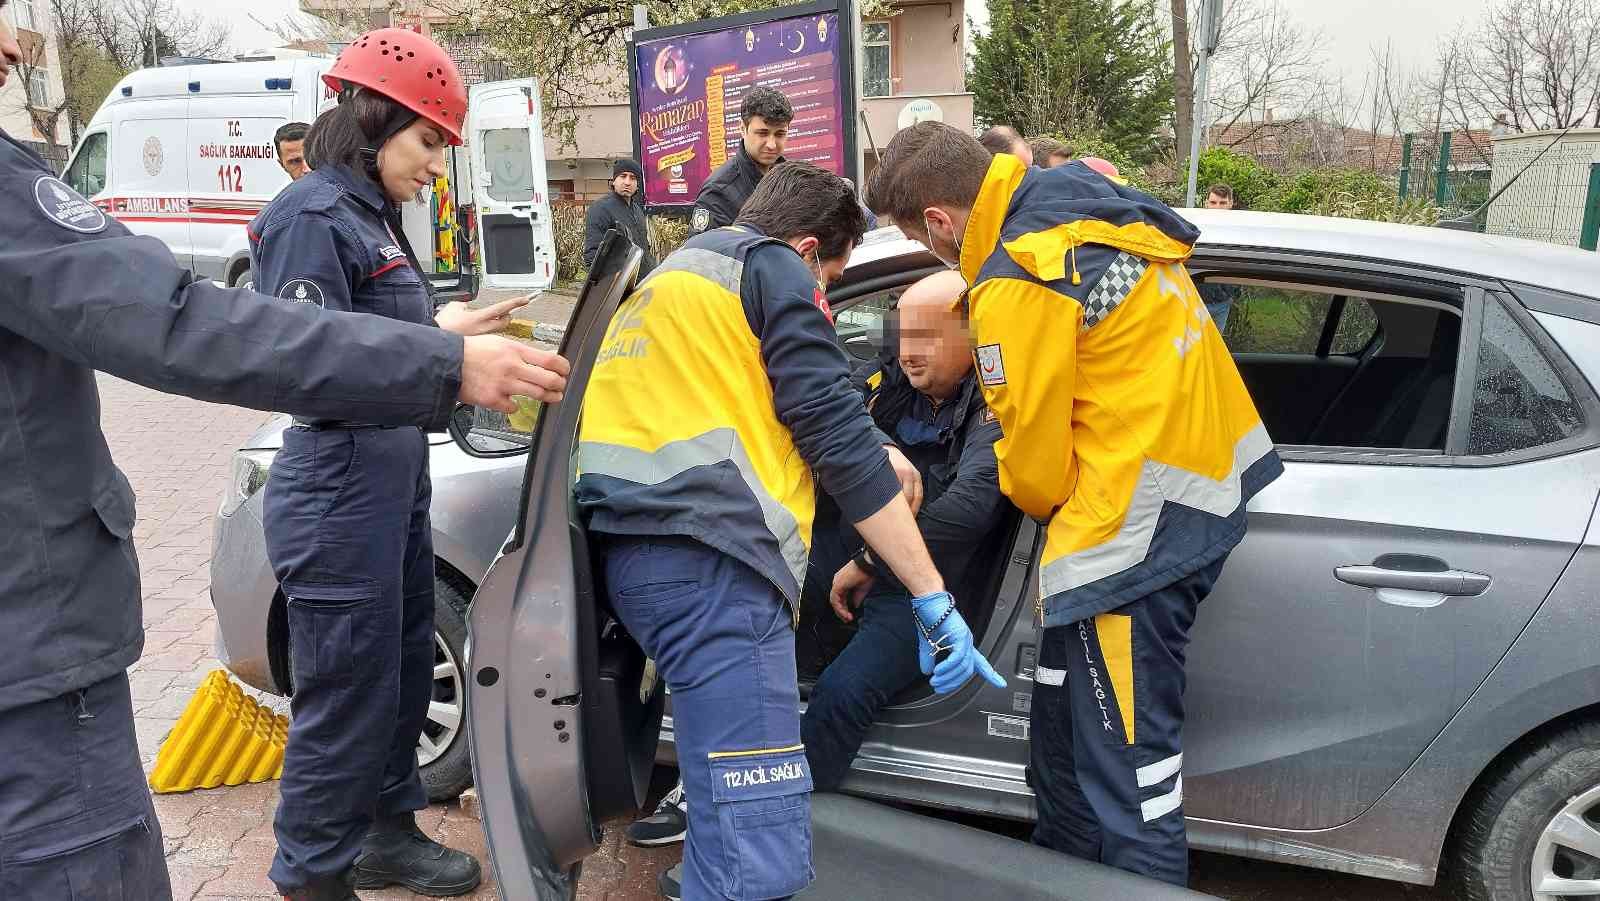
[[1005, 139], [623, 210], [290, 142]]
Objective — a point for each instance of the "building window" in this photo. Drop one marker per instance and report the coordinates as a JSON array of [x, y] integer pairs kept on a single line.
[[39, 89], [24, 15], [875, 51]]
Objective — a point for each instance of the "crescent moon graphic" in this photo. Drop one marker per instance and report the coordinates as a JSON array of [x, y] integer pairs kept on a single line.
[[802, 36]]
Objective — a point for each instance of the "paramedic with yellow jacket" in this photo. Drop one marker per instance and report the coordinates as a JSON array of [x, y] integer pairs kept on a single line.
[[718, 390], [1128, 428]]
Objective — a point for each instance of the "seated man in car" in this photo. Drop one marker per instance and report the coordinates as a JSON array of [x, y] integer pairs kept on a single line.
[[928, 402]]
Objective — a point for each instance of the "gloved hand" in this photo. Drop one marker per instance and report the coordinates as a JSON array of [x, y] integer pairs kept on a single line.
[[947, 651]]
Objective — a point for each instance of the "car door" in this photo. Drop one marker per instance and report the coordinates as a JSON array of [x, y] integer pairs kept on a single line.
[[150, 173], [564, 713], [1406, 545], [510, 195]]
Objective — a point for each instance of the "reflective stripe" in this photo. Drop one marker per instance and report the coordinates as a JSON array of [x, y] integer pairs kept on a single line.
[[1158, 484], [1044, 675], [1159, 771], [1160, 806], [720, 269], [718, 755], [1115, 634], [643, 467]]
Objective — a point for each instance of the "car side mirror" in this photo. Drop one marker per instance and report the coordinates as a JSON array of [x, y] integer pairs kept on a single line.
[[492, 434]]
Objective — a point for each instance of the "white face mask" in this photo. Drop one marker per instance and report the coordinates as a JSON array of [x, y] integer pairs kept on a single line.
[[928, 227]]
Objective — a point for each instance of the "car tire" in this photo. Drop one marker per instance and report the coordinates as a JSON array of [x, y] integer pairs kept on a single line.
[[449, 772], [244, 278], [1506, 842]]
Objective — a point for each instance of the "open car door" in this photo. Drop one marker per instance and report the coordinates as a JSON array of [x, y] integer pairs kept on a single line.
[[510, 193], [564, 717]]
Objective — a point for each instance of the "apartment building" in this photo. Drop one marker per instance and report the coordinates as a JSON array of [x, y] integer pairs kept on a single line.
[[37, 83]]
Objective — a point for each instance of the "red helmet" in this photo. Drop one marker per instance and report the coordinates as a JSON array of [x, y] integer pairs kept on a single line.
[[408, 69]]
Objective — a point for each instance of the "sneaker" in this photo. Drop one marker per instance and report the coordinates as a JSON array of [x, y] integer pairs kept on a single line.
[[671, 883], [664, 827]]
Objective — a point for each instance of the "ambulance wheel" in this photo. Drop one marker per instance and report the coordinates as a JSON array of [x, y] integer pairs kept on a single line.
[[242, 278], [442, 753]]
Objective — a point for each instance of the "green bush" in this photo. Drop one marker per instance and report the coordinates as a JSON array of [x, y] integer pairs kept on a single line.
[[1255, 187], [666, 234], [1090, 143], [1319, 187]]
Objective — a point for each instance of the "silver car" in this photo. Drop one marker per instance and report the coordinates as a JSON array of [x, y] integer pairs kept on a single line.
[[1396, 676]]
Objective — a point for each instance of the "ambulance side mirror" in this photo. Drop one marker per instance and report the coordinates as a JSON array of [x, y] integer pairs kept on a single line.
[[490, 434]]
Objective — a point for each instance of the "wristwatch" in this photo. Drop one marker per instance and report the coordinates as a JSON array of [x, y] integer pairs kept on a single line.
[[865, 561]]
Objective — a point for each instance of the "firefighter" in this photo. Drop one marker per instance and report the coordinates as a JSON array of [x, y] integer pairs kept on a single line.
[[81, 293], [718, 391], [1128, 429], [346, 504]]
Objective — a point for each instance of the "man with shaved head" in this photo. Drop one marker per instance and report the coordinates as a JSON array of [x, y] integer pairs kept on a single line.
[[927, 400]]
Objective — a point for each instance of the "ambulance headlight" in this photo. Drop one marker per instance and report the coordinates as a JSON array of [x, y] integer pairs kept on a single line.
[[250, 468]]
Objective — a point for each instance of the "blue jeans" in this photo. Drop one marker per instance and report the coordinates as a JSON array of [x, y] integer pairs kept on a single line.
[[723, 638], [879, 663], [1219, 314]]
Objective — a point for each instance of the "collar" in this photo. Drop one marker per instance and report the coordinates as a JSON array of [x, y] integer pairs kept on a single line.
[[988, 214], [358, 186], [748, 162]]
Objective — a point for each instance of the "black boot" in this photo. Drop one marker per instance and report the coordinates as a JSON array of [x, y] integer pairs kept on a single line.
[[396, 852], [336, 889]]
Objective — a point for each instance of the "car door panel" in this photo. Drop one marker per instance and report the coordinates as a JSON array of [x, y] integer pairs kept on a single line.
[[549, 691], [1341, 724]]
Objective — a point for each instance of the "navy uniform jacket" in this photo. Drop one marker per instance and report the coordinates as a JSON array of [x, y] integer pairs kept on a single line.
[[625, 215], [717, 205], [79, 293]]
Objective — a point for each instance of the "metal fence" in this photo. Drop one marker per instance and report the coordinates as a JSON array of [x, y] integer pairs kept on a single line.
[[1553, 195]]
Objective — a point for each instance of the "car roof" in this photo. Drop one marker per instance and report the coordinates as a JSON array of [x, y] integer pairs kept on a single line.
[[1494, 256]]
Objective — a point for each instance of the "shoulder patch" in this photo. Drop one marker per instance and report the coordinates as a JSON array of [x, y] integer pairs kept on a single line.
[[66, 207], [989, 415], [874, 380], [702, 219], [991, 368], [301, 290]]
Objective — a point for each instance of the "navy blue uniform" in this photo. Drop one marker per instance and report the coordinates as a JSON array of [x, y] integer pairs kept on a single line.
[[952, 447], [79, 293], [349, 538]]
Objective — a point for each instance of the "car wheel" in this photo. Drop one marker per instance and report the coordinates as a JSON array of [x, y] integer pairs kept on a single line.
[[442, 752], [1534, 834], [244, 278]]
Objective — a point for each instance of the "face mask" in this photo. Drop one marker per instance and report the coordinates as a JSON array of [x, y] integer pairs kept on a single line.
[[819, 295], [927, 227]]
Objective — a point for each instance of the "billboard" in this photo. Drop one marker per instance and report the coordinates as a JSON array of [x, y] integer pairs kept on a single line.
[[687, 82]]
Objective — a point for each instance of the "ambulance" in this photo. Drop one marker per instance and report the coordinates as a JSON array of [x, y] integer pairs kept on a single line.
[[184, 153]]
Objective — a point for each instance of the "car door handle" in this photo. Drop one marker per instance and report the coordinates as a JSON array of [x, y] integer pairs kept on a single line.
[[1408, 580]]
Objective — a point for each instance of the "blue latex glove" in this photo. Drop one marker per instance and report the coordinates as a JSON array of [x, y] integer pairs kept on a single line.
[[946, 650]]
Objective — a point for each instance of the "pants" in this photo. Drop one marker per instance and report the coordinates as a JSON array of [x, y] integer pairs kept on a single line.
[[1107, 733], [1219, 314], [722, 637], [350, 542], [76, 820], [877, 664]]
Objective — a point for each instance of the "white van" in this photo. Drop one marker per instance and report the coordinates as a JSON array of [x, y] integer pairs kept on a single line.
[[184, 153]]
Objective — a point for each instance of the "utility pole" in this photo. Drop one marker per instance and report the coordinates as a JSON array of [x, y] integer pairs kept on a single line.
[[1210, 30]]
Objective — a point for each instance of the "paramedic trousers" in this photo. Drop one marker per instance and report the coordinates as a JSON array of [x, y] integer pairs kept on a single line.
[[723, 638], [350, 542], [879, 662], [75, 815], [1107, 733]]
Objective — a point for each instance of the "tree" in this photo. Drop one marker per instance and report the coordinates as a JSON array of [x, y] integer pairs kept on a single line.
[[1183, 68], [1265, 60], [1076, 66], [1538, 61]]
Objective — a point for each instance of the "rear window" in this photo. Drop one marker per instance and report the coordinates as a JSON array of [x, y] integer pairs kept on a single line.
[[1518, 400]]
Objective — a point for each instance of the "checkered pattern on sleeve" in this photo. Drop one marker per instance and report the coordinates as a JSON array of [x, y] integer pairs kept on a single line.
[[1112, 289]]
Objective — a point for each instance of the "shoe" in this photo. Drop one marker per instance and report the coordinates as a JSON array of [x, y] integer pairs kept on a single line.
[[396, 852], [664, 827], [671, 883], [336, 889]]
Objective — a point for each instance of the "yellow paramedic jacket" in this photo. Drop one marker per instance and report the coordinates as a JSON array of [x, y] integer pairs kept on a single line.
[[1126, 424], [719, 388]]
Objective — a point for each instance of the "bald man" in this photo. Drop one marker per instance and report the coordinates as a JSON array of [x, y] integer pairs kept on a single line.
[[1005, 139], [927, 400]]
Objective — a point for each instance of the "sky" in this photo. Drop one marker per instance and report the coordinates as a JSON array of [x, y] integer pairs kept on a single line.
[[1350, 27]]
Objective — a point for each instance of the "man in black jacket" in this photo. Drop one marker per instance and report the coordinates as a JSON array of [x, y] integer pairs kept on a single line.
[[623, 210], [79, 293], [928, 402], [765, 115]]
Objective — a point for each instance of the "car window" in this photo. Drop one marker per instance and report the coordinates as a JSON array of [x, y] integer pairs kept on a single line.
[[1279, 320], [1518, 400], [88, 173], [860, 327]]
